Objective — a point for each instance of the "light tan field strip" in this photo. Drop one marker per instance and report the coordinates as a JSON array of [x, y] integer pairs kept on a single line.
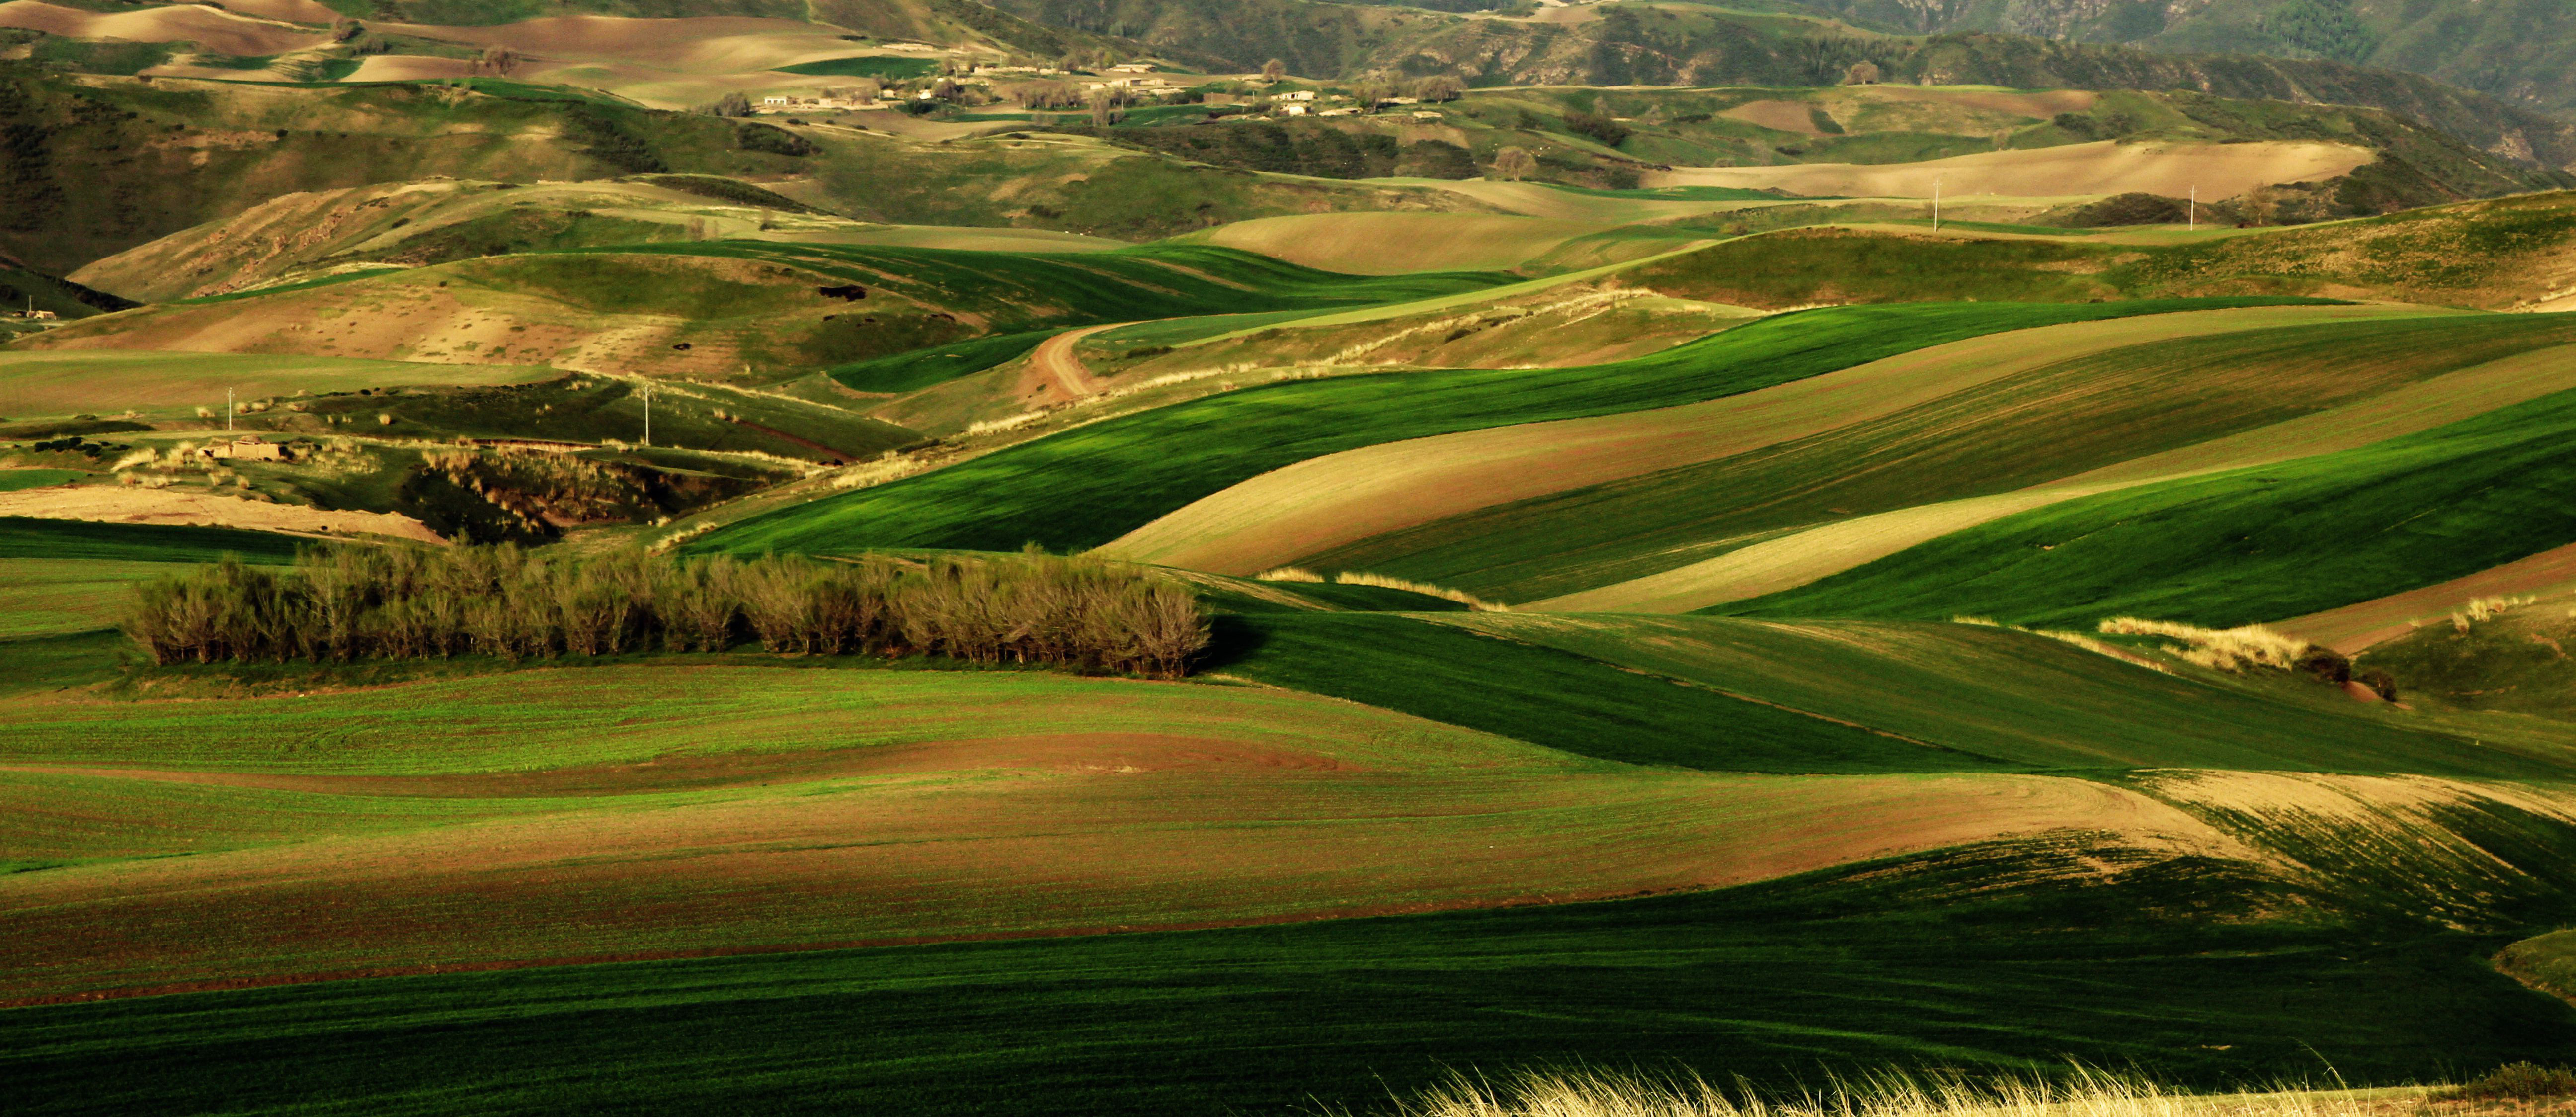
[[1338, 499], [174, 506], [1796, 560], [2073, 170]]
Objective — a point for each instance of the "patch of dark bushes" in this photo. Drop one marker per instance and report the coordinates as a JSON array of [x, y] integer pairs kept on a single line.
[[354, 603], [2125, 209], [1599, 126], [2517, 1082], [610, 142], [772, 140]]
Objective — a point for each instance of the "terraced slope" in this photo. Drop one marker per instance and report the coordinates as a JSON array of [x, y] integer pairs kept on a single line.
[[2248, 545], [1092, 484]]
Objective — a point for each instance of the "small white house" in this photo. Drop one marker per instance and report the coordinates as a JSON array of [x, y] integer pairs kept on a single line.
[[774, 102], [1292, 110], [1299, 95]]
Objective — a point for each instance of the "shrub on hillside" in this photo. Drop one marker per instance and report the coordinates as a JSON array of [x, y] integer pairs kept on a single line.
[[350, 603], [1599, 126], [2516, 1082]]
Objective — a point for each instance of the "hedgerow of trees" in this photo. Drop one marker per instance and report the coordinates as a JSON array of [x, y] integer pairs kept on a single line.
[[346, 604]]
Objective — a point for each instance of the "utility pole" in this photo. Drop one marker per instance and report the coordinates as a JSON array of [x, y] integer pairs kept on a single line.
[[228, 411], [648, 416], [1936, 203], [2192, 213]]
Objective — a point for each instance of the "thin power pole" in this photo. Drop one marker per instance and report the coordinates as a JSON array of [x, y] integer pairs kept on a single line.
[[2192, 214], [1936, 203], [228, 411], [648, 416]]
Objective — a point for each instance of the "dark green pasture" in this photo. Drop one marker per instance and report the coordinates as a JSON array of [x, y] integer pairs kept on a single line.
[[1989, 958]]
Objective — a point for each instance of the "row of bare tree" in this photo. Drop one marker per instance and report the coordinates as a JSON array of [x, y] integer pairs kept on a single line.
[[352, 603]]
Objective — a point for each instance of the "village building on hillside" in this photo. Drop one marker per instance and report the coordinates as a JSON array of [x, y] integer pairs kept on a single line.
[[247, 448]]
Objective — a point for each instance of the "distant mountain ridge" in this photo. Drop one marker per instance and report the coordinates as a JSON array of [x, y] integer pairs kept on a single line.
[[1675, 45], [2523, 51]]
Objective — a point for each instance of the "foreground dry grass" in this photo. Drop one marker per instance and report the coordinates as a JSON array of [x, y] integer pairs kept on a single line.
[[2086, 1093]]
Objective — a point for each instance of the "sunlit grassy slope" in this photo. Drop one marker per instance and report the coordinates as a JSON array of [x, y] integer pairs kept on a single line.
[[1090, 485], [2249, 545], [1567, 701], [1832, 696], [2055, 421], [1983, 958]]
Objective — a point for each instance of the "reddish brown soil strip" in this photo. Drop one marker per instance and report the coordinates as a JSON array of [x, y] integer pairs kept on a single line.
[[2362, 624], [1056, 366]]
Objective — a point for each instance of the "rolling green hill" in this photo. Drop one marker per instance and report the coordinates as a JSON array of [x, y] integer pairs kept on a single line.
[[1988, 957], [1090, 485], [2060, 420], [2244, 546]]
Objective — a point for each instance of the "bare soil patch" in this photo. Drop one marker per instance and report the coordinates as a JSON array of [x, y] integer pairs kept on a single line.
[[2076, 170], [172, 506]]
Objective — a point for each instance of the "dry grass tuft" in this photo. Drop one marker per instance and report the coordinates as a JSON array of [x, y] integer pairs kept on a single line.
[[2086, 1093], [1382, 581], [2099, 648], [1288, 574], [2225, 649], [2480, 609]]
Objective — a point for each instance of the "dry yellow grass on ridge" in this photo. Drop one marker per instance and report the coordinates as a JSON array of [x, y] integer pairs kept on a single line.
[[2074, 170], [112, 504], [1795, 560], [1596, 1093], [1327, 502]]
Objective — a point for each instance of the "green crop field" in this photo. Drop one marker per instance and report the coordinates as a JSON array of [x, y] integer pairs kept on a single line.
[[22, 537], [12, 480], [1933, 960], [1554, 698], [923, 368], [2018, 698], [2061, 420], [2243, 546], [866, 66], [1088, 486]]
